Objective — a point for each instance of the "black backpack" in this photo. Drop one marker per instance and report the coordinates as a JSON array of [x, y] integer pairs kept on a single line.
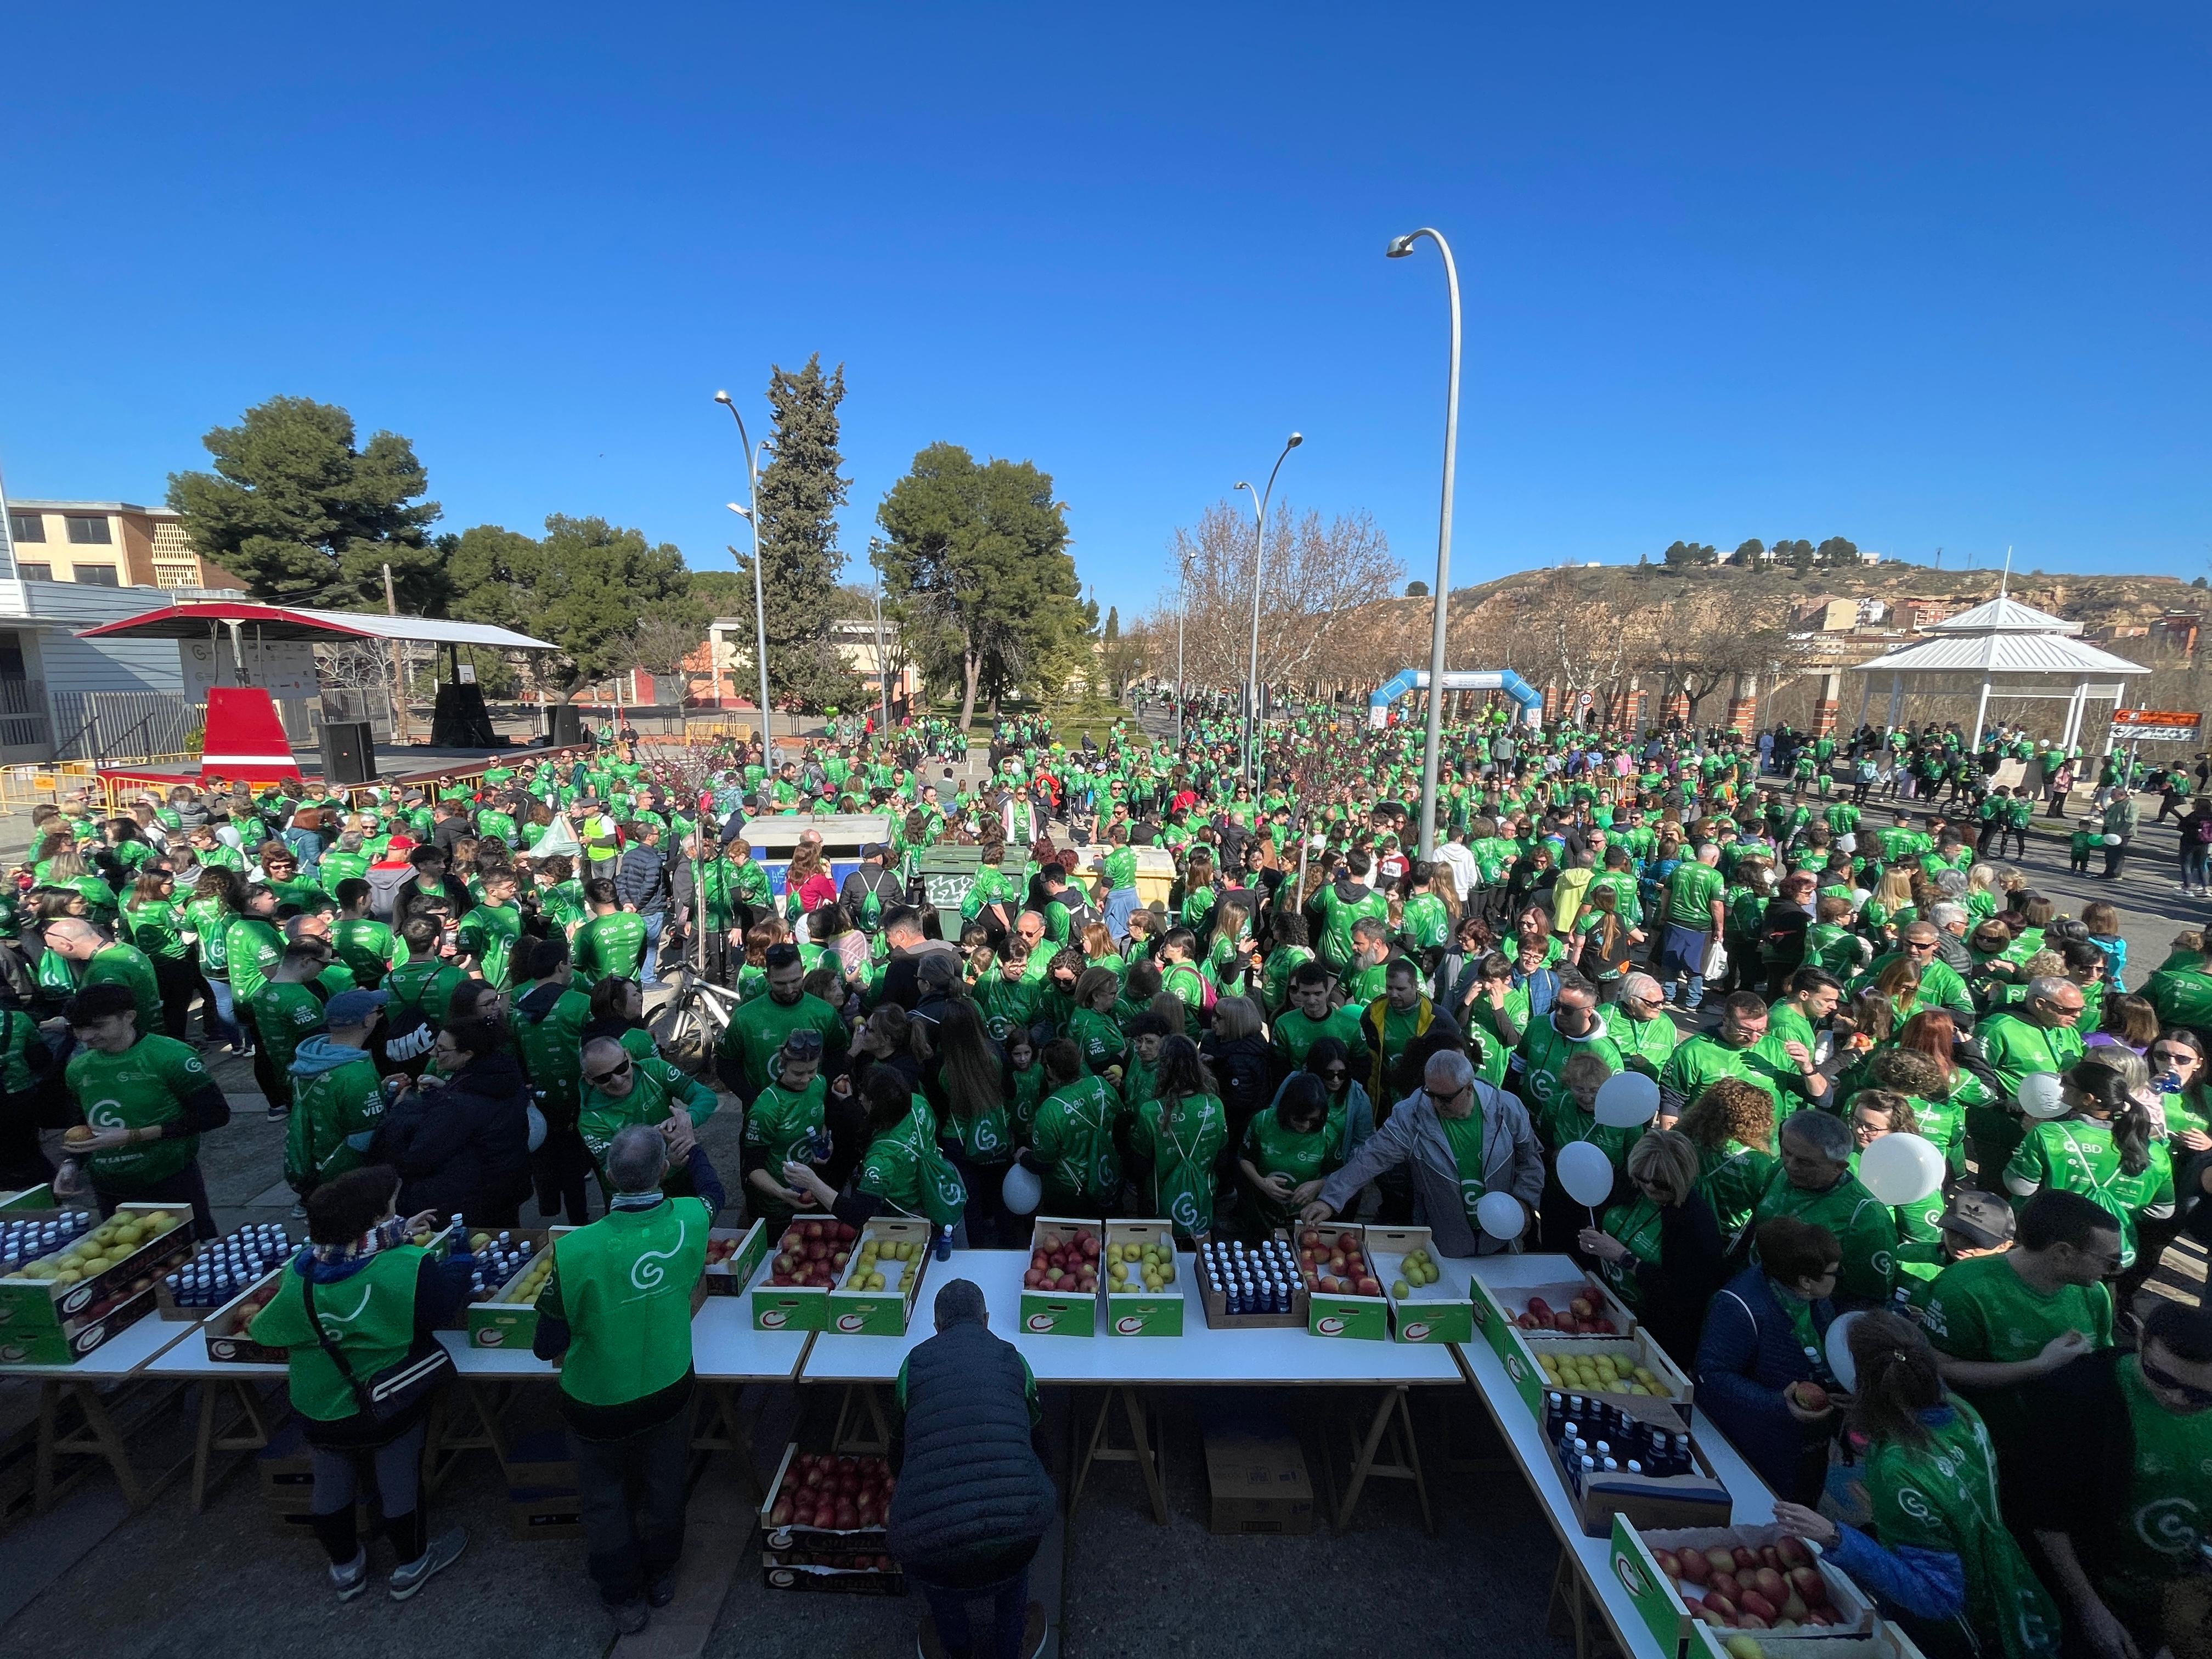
[[409, 1034]]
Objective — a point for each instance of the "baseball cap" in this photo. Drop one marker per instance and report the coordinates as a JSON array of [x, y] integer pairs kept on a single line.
[[874, 849], [1982, 1219], [352, 1007]]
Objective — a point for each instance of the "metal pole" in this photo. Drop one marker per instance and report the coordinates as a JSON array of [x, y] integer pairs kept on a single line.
[[1258, 570], [1434, 741], [1178, 690], [752, 516], [883, 669]]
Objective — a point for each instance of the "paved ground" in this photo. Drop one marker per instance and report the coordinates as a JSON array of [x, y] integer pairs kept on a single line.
[[90, 1580]]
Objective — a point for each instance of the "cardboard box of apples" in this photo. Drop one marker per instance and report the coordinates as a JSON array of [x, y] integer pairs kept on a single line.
[[1424, 1306], [1631, 1367], [60, 1307], [507, 1316], [823, 1526], [876, 1296], [1344, 1295], [1884, 1641], [1575, 1307], [1059, 1287], [790, 1289], [1147, 1298], [1734, 1578], [732, 1256], [225, 1330]]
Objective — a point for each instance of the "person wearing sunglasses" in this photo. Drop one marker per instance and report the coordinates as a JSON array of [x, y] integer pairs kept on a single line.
[[2040, 1035], [1941, 987], [2120, 1502], [621, 1089]]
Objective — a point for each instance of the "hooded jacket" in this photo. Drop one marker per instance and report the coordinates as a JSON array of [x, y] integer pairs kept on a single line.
[[1412, 1138], [464, 1146]]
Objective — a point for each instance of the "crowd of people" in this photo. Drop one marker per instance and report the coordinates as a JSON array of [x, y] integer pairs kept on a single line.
[[1803, 942]]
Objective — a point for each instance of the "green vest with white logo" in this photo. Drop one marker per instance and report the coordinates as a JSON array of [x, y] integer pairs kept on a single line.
[[625, 1289], [370, 1315]]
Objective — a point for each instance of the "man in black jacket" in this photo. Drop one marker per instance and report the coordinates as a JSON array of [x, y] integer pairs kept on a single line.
[[641, 883], [974, 1500]]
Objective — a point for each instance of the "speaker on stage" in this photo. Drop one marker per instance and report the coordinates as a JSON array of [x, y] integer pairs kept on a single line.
[[564, 725], [348, 753]]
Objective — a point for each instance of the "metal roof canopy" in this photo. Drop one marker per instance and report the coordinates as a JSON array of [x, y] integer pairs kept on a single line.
[[2000, 637], [186, 620]]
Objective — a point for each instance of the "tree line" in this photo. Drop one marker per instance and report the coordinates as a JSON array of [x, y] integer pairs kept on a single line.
[[1799, 555], [973, 559]]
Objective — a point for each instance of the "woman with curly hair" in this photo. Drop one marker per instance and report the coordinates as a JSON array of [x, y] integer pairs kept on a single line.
[[1731, 1123]]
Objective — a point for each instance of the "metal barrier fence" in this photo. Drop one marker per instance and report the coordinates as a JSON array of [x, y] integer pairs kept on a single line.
[[126, 727]]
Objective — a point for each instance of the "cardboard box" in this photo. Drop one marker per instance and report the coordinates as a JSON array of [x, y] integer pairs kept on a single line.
[[885, 1312], [497, 1322], [789, 1307], [1648, 1501], [46, 1322], [1498, 1309], [1145, 1313], [30, 1198], [1066, 1312], [1884, 1641], [225, 1329], [729, 1276], [1258, 1484], [1335, 1313], [1529, 1377], [191, 1314], [778, 1572], [1662, 1609], [1429, 1313], [787, 1538], [534, 1513], [1215, 1301], [539, 1459]]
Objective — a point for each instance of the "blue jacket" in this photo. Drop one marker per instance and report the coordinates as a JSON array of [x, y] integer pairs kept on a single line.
[[1748, 1354]]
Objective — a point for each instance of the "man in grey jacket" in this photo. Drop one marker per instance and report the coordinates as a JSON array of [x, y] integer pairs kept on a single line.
[[1431, 1133]]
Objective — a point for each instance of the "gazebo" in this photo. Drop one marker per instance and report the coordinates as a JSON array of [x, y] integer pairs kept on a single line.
[[2001, 644]]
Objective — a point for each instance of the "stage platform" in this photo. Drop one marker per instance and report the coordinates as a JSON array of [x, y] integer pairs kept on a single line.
[[402, 765]]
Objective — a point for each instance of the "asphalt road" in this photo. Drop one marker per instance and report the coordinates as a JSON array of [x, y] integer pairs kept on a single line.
[[90, 1581]]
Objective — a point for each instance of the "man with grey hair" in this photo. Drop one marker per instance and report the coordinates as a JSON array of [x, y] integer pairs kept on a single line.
[[1813, 1183], [974, 1500], [1459, 1140], [1640, 1026], [1951, 919], [1940, 986], [2037, 1034], [618, 1307]]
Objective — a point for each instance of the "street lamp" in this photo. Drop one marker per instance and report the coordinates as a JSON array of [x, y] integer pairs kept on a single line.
[[1259, 564], [1399, 248], [751, 513]]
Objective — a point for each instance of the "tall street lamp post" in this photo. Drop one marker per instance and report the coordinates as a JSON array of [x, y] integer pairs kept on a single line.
[[1399, 248], [1259, 568], [751, 513]]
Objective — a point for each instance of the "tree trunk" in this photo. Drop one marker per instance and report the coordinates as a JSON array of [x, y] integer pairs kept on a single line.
[[971, 670]]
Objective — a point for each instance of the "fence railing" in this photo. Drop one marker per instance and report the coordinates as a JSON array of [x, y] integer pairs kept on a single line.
[[125, 727], [23, 721]]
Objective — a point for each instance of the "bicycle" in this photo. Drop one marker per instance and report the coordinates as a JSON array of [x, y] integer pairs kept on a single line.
[[688, 1026]]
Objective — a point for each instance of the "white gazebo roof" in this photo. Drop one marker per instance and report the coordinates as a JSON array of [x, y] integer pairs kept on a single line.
[[2003, 615], [1986, 653]]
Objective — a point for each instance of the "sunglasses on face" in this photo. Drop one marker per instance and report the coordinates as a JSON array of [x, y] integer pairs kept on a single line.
[[2173, 1056], [2198, 1397], [600, 1079]]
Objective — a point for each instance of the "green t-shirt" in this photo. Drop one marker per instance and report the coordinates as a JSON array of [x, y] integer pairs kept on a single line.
[[157, 927], [1644, 1044], [1861, 1224], [1295, 1033], [1072, 1137], [1692, 887], [2167, 1518], [757, 1030], [333, 1114], [127, 965], [489, 932], [285, 1015], [1703, 1059], [2077, 1155], [145, 1085], [429, 985], [252, 950], [1544, 1051], [1273, 1150], [1980, 1309], [364, 944], [611, 946], [1464, 1135]]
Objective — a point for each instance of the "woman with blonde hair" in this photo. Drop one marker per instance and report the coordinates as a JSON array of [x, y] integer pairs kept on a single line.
[[1662, 1252]]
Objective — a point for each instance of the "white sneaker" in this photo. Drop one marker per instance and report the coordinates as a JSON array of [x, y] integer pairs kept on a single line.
[[444, 1549]]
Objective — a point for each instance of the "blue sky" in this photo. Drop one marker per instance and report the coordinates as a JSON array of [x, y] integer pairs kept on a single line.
[[1921, 275]]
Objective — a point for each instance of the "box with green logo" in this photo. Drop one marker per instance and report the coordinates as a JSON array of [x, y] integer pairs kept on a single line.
[[877, 1294], [60, 1307], [31, 1198], [790, 1288], [1662, 1598], [1614, 1367], [731, 1256], [508, 1317], [1335, 1266], [1151, 1308], [1060, 1308], [1884, 1641], [1436, 1306]]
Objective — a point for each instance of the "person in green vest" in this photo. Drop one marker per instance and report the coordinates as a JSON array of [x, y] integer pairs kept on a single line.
[[1176, 1140], [1072, 1138], [94, 960], [617, 1312], [1815, 1184], [357, 1301], [146, 1100], [1941, 1554], [338, 1099], [611, 944]]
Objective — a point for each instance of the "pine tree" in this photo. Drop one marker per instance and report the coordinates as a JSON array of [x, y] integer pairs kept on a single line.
[[800, 491]]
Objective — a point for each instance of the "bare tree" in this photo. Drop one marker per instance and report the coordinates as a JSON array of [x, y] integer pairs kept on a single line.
[[663, 644], [1697, 646]]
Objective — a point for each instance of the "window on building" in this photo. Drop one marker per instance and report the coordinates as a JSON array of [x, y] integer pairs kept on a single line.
[[27, 526], [97, 575], [89, 532], [34, 573], [11, 655]]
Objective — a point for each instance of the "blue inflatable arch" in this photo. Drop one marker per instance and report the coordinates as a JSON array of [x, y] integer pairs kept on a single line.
[[1409, 680]]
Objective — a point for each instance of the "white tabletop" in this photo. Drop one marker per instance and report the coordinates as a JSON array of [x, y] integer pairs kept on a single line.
[[190, 1358], [1524, 1435], [126, 1353], [1199, 1356], [725, 1348]]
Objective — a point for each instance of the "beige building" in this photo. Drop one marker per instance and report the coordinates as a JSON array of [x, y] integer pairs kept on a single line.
[[107, 544]]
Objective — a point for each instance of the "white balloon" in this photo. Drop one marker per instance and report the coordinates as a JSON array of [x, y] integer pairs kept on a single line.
[[1022, 1190], [2041, 1095], [1839, 1344], [1501, 1216], [1626, 1099], [1901, 1169], [1586, 1173]]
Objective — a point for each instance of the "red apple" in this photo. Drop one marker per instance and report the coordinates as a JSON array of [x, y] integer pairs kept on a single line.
[[1581, 1308], [1721, 1560], [1756, 1606], [1695, 1569], [1820, 1618], [1724, 1583], [1539, 1307], [1771, 1584], [1564, 1322], [1747, 1559], [1369, 1287], [781, 1514], [1808, 1582], [1721, 1605], [1793, 1553], [1667, 1564]]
